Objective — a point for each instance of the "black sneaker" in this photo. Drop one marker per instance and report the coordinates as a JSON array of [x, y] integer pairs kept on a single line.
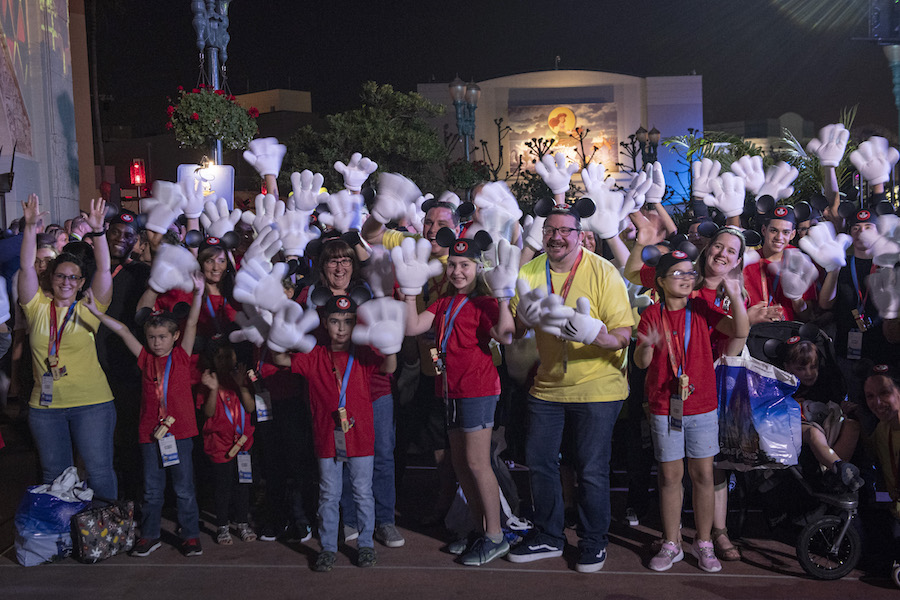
[[591, 561], [535, 547], [295, 533], [324, 562], [366, 558], [191, 547], [267, 534], [145, 546]]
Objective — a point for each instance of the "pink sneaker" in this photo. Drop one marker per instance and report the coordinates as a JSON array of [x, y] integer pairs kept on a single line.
[[706, 556], [669, 554]]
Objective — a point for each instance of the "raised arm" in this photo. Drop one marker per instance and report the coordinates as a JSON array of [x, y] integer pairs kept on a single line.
[[190, 328], [101, 285], [211, 381], [416, 323], [117, 327], [28, 284], [505, 328], [389, 364]]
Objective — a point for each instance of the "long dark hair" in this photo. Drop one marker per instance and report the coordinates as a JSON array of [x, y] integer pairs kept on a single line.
[[226, 284]]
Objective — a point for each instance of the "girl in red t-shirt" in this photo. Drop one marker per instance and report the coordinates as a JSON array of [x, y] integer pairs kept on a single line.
[[465, 320], [680, 372]]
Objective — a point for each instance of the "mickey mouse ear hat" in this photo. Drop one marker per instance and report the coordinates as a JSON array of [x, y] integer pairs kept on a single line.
[[468, 248], [583, 207], [783, 213], [195, 239]]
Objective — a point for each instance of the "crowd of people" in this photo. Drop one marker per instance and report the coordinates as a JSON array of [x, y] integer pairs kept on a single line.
[[311, 341]]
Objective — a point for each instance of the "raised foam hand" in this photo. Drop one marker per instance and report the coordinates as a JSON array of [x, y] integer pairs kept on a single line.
[[306, 186], [750, 169], [778, 181], [413, 265], [291, 327], [502, 278], [635, 297], [172, 268], [344, 211], [610, 208], [265, 155], [554, 315], [884, 284], [528, 311], [394, 196], [727, 195], [356, 171], [253, 326], [194, 199], [703, 173], [498, 211], [216, 219], [657, 189], [259, 283], [296, 232], [415, 215], [265, 246], [165, 203], [874, 159], [830, 144], [555, 172], [828, 249], [378, 272], [581, 327], [534, 233], [636, 194], [268, 210], [797, 273], [381, 323]]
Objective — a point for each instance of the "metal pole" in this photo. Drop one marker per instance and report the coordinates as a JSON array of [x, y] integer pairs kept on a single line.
[[212, 63]]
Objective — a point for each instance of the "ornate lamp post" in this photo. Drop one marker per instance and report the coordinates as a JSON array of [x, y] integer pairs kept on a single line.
[[649, 144], [211, 24], [465, 100]]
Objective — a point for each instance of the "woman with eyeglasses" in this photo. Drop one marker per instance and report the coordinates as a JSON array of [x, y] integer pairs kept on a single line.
[[71, 403]]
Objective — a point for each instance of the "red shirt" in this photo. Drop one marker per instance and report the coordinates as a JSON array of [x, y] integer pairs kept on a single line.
[[322, 368], [207, 325], [718, 340], [179, 401], [753, 285], [220, 433], [660, 382], [469, 365]]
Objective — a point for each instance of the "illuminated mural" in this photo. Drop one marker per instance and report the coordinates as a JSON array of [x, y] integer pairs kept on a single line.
[[15, 126]]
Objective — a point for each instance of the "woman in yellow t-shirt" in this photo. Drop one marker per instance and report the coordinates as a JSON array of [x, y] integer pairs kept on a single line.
[[71, 402]]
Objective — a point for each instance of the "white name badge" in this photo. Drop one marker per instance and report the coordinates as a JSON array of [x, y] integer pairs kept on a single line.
[[854, 344], [245, 471], [263, 406], [46, 389], [168, 450]]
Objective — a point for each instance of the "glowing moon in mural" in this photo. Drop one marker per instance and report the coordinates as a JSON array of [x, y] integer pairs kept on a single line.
[[561, 120]]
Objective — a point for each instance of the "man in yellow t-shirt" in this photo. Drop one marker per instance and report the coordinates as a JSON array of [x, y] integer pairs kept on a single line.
[[581, 382]]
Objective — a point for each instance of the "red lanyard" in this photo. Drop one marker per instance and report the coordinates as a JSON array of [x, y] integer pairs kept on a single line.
[[680, 366], [861, 306], [162, 384], [56, 333], [239, 429], [765, 283], [568, 283]]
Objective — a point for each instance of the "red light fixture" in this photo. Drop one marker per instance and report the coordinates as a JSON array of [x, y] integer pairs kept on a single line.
[[137, 172]]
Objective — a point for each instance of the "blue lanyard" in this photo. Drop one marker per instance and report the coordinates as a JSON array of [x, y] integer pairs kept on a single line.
[[448, 325], [165, 389], [687, 337], [56, 336], [238, 428], [860, 299], [549, 281], [342, 399], [212, 312]]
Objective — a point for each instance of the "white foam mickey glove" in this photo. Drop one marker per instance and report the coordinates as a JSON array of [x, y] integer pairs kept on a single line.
[[827, 249], [415, 216], [265, 155], [344, 211], [635, 297], [378, 272], [830, 144], [306, 186], [751, 257], [265, 246], [528, 310], [703, 173], [610, 210], [172, 268], [594, 178], [555, 173], [534, 233], [4, 302], [259, 283], [216, 219], [636, 194], [268, 210], [194, 199], [657, 188], [165, 203], [253, 326], [874, 159], [394, 196], [381, 323], [778, 181], [884, 284], [412, 265], [581, 326], [750, 169], [727, 195], [884, 242], [291, 327], [356, 171], [797, 273], [554, 315], [296, 232], [498, 211], [502, 278]]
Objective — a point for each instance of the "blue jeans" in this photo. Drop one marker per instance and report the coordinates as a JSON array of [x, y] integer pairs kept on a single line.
[[330, 484], [383, 486], [91, 429], [155, 490], [592, 424]]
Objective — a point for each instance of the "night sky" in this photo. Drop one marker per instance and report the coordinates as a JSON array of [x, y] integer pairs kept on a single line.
[[758, 59]]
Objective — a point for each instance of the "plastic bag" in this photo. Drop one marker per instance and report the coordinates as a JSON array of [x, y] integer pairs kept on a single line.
[[49, 508], [759, 420]]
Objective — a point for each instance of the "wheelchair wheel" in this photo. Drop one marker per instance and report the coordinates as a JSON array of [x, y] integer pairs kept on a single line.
[[814, 549]]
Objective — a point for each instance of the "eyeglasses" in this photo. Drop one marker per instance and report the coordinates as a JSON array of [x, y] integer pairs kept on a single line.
[[64, 277], [683, 274], [340, 262], [563, 231]]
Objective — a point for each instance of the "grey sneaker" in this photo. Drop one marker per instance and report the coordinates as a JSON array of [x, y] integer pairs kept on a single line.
[[366, 558], [350, 533], [388, 535], [484, 551]]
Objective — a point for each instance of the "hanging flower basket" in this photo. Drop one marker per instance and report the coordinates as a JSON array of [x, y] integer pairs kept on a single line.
[[205, 114]]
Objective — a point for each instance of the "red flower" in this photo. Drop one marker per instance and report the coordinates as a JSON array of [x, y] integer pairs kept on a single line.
[[253, 112], [180, 88], [169, 125], [220, 92], [195, 116], [232, 98], [170, 110], [195, 91]]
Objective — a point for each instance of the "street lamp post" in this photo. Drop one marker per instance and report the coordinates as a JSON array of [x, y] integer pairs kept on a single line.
[[465, 100], [649, 144]]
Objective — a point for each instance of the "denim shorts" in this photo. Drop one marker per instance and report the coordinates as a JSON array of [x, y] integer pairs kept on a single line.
[[698, 438], [471, 414]]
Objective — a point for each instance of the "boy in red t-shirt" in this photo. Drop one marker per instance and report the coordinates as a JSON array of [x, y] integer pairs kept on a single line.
[[167, 422], [338, 373]]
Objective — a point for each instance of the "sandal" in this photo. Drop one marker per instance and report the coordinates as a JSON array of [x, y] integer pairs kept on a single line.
[[246, 534], [223, 536], [730, 553]]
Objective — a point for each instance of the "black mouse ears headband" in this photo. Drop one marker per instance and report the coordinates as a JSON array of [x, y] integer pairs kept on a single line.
[[681, 250], [195, 239], [176, 315], [469, 248], [582, 208], [776, 349], [322, 296]]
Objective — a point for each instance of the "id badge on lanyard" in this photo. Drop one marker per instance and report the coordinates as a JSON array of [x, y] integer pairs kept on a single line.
[[244, 467], [168, 450]]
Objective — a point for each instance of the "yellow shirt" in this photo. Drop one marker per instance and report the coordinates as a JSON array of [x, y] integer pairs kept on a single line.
[[591, 374], [84, 383], [881, 447]]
